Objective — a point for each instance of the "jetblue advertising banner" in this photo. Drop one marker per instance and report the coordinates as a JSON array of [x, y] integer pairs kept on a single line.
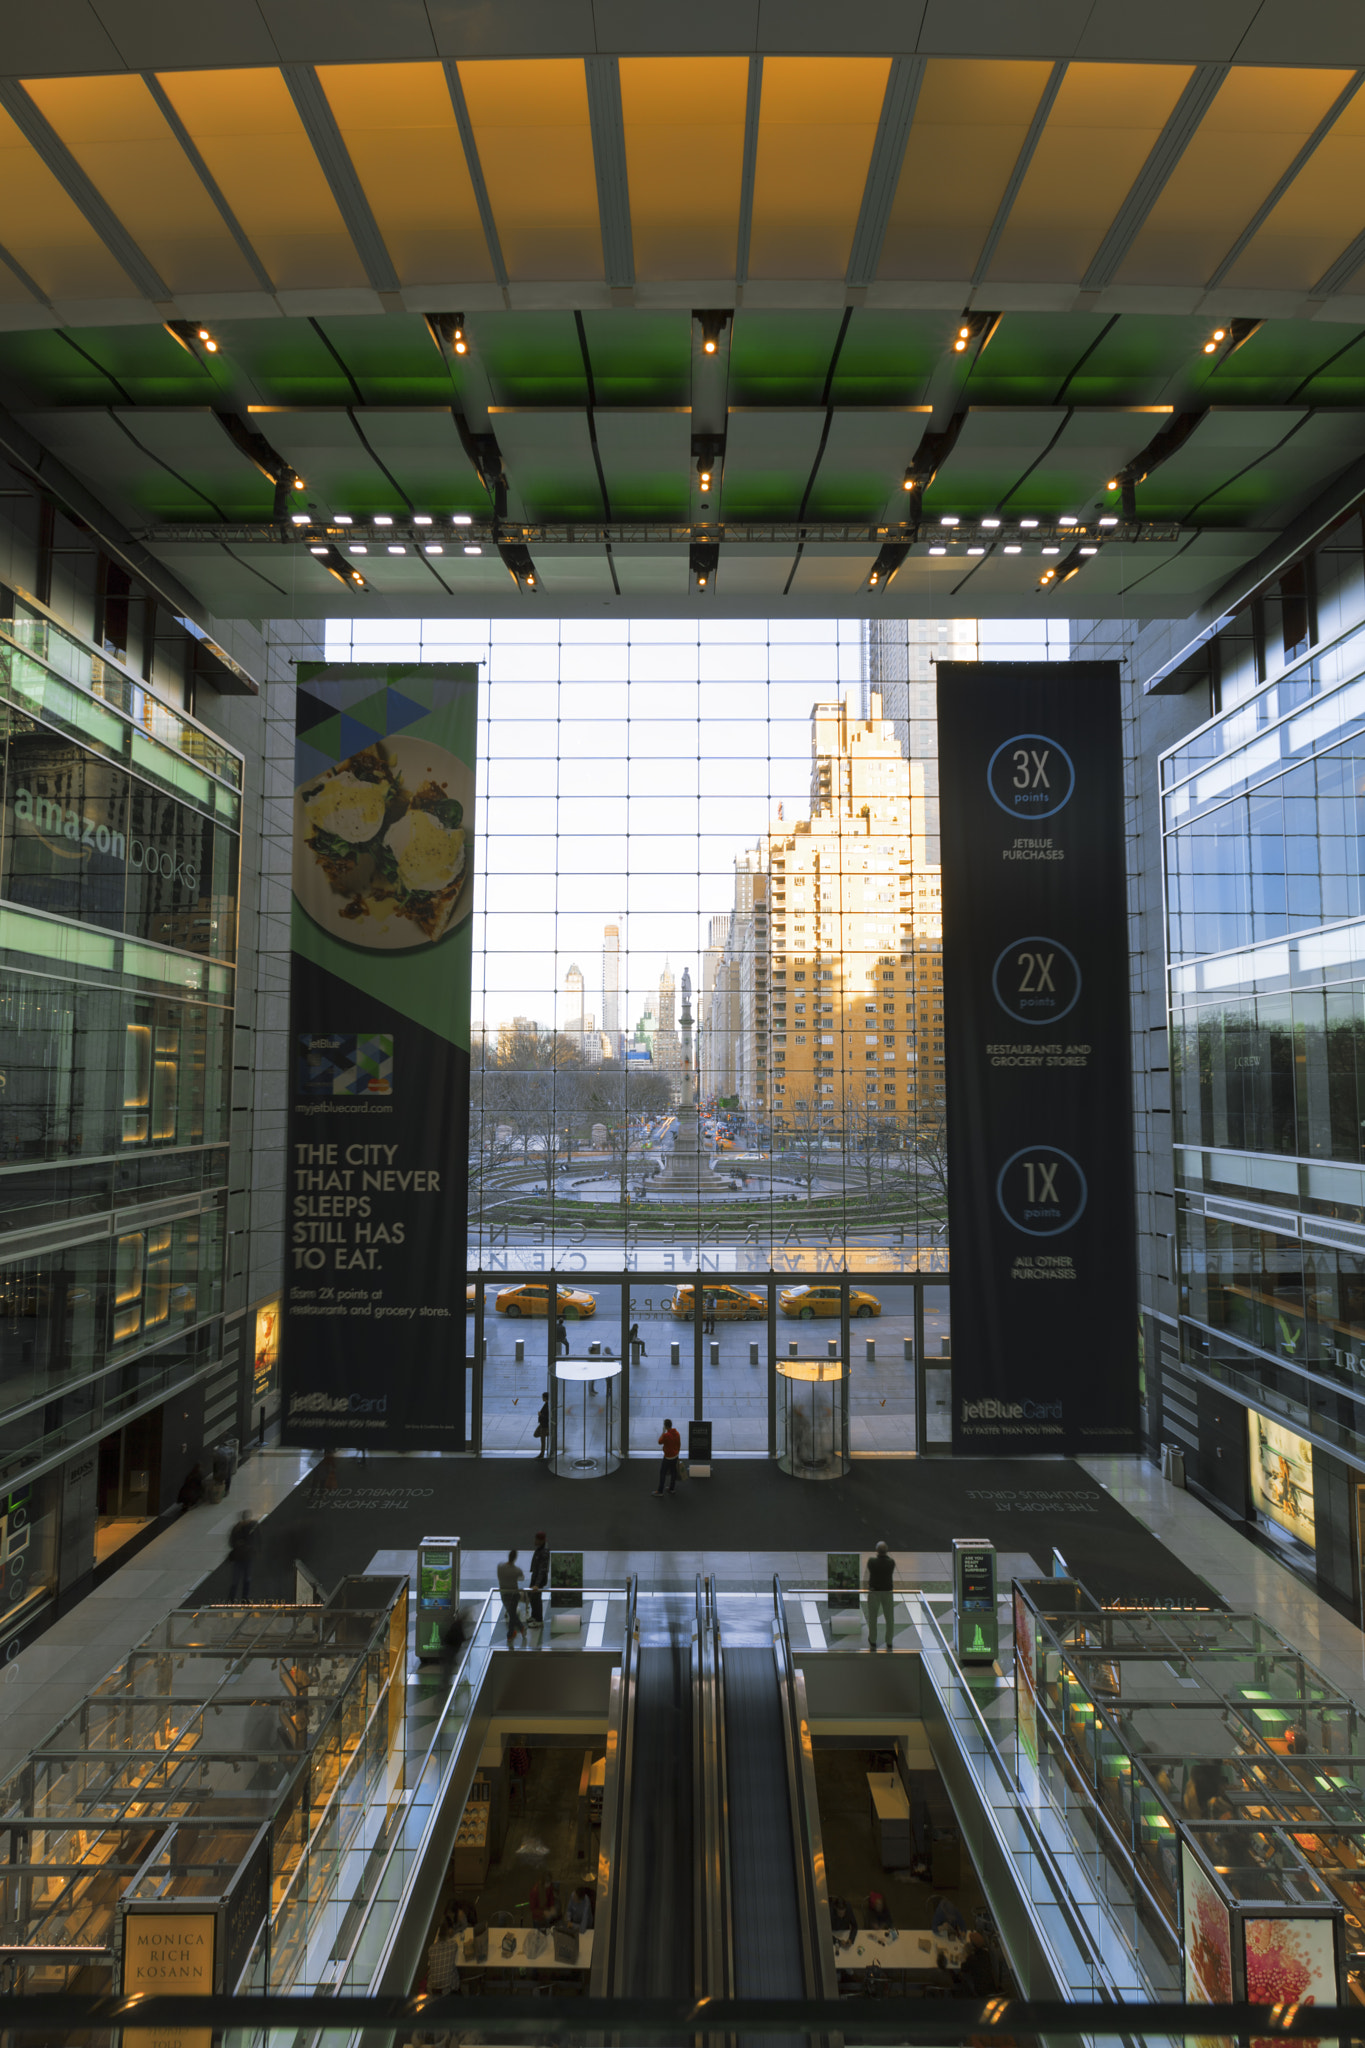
[[372, 1348], [1039, 1099]]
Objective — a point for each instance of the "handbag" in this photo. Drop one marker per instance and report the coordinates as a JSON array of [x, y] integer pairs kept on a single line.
[[509, 1944], [537, 1941], [478, 1934], [566, 1944]]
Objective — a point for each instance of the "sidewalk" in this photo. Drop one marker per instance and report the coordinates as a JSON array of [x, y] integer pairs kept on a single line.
[[53, 1675]]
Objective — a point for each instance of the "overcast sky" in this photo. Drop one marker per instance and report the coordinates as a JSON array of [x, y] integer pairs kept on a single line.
[[601, 805]]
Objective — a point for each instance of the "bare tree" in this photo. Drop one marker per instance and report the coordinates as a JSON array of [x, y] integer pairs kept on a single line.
[[930, 1144], [806, 1127]]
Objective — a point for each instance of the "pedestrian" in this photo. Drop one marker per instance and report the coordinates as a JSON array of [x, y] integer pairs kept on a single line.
[[562, 1337], [191, 1488], [540, 1578], [670, 1443], [542, 1429], [708, 1315], [241, 1550], [637, 1345], [510, 1576], [580, 1911], [881, 1571]]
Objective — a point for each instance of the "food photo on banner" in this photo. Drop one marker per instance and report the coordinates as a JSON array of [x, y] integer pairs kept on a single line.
[[1037, 1034], [372, 1346]]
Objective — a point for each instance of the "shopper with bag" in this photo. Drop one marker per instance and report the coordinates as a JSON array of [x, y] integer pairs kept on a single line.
[[510, 1576]]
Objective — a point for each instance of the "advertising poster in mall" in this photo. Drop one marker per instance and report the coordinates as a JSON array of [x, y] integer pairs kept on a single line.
[[372, 1339], [1037, 1029], [1282, 1478]]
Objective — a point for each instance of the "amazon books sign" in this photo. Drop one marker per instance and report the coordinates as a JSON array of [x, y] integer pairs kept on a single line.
[[372, 1344], [1037, 1026]]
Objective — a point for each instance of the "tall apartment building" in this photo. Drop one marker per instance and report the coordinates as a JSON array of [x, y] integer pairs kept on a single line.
[[708, 1004], [856, 933], [667, 1046]]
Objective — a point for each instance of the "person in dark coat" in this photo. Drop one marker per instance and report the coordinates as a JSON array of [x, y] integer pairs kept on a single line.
[[191, 1488], [241, 1551], [540, 1577]]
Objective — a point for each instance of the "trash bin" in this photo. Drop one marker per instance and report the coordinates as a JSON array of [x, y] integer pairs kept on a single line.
[[1173, 1464]]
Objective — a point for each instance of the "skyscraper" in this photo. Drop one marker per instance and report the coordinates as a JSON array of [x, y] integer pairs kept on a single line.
[[611, 986], [667, 1043]]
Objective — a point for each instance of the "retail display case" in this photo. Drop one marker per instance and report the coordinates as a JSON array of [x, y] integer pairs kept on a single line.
[[1218, 1774], [200, 1799]]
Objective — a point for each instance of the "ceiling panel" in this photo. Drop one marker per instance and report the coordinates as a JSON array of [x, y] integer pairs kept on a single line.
[[1075, 471], [993, 450], [324, 449], [684, 111], [547, 454], [245, 126], [135, 485], [782, 358], [193, 444], [1319, 215], [973, 117], [647, 461], [1102, 127], [1248, 138], [866, 453], [816, 128], [398, 125], [535, 147], [421, 450], [1288, 476], [48, 233], [121, 140], [1227, 441], [768, 460]]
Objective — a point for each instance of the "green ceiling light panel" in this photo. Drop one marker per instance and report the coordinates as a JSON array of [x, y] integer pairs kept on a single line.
[[781, 358]]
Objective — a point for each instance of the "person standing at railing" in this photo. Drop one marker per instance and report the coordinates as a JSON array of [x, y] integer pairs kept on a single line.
[[881, 1573]]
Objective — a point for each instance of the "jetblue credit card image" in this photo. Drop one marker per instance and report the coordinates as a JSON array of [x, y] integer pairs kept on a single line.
[[344, 1063]]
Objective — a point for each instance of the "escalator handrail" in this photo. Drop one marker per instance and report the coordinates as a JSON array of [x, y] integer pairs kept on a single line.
[[817, 1941], [616, 1807], [715, 1942]]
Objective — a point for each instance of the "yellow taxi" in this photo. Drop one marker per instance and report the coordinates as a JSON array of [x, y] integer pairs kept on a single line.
[[471, 1295], [823, 1300], [533, 1299], [728, 1304]]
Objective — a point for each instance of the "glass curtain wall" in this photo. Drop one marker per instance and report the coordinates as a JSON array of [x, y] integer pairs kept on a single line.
[[707, 1005]]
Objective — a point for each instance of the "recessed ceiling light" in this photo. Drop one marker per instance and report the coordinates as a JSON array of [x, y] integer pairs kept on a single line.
[[382, 519], [1089, 551], [473, 550], [317, 551], [948, 519], [421, 518], [1013, 549], [342, 519], [299, 519], [1110, 519], [396, 548], [1052, 551], [1066, 519], [461, 519], [358, 547], [938, 551], [976, 551], [1028, 522], [433, 547]]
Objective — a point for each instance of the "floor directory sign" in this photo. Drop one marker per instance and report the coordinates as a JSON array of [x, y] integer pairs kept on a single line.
[[438, 1592], [1037, 1028], [372, 1348]]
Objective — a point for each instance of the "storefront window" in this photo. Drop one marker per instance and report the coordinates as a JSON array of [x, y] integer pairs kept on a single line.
[[28, 1550]]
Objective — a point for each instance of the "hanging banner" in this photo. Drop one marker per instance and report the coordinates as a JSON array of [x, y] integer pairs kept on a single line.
[[372, 1350], [1037, 1027]]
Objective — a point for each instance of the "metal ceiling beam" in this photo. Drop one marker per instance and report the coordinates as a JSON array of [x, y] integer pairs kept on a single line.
[[595, 533], [753, 107], [884, 169], [475, 168], [208, 181], [1151, 181], [1017, 175], [320, 125], [1339, 274], [30, 284], [43, 137], [609, 160]]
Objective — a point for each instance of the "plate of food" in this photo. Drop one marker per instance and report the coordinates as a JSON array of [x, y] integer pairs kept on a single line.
[[383, 845]]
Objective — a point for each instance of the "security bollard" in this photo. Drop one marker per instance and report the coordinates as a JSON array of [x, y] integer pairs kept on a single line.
[[675, 1357], [715, 1352], [753, 1354], [791, 1350], [872, 1351], [833, 1347], [521, 1351], [909, 1350]]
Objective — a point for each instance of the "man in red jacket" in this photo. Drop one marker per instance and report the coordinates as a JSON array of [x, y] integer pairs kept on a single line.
[[670, 1443]]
